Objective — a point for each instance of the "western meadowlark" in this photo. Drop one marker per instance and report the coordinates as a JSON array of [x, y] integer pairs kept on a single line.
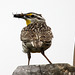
[[36, 37]]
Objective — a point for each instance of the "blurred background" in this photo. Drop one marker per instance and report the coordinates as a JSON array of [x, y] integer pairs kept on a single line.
[[59, 15]]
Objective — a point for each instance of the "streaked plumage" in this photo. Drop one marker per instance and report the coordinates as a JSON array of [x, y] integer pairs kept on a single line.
[[37, 36]]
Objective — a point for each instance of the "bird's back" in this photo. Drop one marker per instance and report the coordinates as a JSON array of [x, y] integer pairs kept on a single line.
[[36, 37]]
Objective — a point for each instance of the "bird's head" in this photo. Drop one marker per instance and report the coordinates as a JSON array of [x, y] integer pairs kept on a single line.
[[30, 17]]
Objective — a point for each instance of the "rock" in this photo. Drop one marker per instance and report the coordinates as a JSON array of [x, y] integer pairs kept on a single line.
[[48, 69]]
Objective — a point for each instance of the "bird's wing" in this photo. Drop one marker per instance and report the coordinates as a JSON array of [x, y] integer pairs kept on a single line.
[[36, 39], [27, 35], [46, 35]]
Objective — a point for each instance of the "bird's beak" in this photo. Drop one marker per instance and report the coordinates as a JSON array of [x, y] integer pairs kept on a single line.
[[23, 16]]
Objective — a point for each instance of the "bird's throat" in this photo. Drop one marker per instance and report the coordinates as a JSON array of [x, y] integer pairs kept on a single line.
[[28, 22]]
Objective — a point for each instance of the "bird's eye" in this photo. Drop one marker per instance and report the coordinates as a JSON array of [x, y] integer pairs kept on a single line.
[[32, 16]]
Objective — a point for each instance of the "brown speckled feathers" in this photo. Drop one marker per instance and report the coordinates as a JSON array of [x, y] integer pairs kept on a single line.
[[36, 31], [38, 36]]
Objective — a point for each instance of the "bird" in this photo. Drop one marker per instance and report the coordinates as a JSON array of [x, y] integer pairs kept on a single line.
[[36, 37]]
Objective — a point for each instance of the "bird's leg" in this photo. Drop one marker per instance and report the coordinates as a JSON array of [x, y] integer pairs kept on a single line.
[[29, 56], [45, 57]]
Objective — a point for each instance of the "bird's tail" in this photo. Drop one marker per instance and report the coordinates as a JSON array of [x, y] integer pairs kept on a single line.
[[36, 43]]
